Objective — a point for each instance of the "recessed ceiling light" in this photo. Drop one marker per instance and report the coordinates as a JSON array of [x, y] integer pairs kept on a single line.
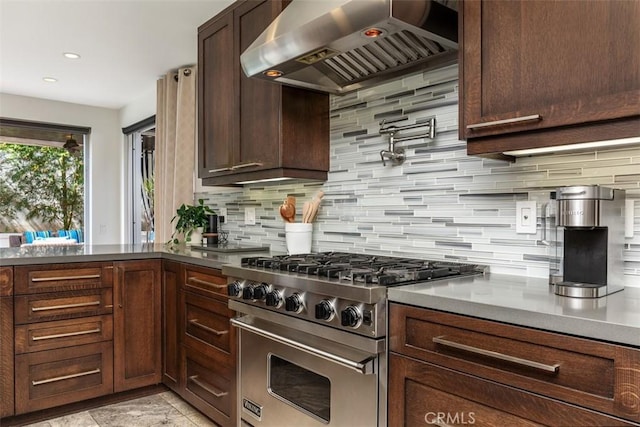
[[71, 55], [50, 79]]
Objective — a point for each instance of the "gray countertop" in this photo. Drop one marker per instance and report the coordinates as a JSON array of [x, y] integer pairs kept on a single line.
[[530, 302], [511, 299], [84, 253]]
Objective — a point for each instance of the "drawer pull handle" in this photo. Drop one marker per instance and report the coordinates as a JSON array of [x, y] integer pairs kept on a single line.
[[216, 393], [60, 307], [195, 322], [514, 120], [55, 279], [68, 334], [205, 283], [496, 355], [66, 377]]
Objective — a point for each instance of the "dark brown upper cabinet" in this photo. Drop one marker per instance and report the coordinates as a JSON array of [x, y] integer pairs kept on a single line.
[[547, 73], [249, 129]]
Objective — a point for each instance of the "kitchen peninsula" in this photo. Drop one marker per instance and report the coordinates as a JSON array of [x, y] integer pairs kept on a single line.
[[513, 315]]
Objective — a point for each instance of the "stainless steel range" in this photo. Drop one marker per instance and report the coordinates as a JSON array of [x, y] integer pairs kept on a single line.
[[313, 334]]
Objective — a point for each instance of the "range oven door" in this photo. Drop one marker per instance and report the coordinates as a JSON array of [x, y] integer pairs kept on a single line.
[[293, 378]]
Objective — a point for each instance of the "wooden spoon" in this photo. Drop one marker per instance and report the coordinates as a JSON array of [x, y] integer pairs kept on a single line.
[[315, 204], [287, 211], [306, 210]]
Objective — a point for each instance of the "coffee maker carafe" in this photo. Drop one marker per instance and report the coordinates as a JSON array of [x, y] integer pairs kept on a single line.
[[588, 240]]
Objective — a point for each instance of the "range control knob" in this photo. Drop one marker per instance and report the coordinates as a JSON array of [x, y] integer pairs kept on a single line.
[[233, 289], [350, 316], [260, 291], [293, 303], [274, 299], [247, 292], [324, 310]]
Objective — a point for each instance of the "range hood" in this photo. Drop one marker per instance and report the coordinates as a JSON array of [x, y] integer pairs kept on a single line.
[[338, 46]]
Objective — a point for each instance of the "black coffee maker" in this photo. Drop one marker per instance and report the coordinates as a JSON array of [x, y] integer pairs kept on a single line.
[[588, 240], [210, 234]]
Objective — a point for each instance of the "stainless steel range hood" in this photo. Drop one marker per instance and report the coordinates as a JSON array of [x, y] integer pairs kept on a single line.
[[338, 46]]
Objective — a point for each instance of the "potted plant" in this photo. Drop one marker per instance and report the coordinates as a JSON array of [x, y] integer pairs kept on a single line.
[[189, 219]]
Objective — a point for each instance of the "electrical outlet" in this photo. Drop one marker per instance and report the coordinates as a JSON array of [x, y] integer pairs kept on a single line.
[[249, 216], [629, 207], [222, 212], [526, 217]]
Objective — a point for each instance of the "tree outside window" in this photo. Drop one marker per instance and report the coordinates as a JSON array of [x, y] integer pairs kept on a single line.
[[43, 184]]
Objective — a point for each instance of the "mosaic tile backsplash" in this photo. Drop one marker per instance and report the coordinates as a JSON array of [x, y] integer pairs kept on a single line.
[[440, 203]]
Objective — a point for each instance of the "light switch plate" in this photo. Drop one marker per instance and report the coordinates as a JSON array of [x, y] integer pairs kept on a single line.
[[250, 216], [526, 217]]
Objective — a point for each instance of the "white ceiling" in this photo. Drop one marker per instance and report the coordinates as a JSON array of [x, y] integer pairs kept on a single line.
[[125, 45]]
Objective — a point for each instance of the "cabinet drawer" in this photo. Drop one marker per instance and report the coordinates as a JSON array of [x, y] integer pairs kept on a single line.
[[51, 378], [6, 281], [63, 305], [426, 394], [63, 333], [542, 362], [62, 277], [205, 281], [207, 323], [210, 386]]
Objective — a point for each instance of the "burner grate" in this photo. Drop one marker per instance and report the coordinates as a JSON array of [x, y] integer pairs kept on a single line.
[[362, 270]]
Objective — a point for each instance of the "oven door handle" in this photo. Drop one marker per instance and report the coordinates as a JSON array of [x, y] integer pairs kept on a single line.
[[364, 367]]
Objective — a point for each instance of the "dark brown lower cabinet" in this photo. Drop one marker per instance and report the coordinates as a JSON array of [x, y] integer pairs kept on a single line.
[[447, 369], [209, 386], [6, 357], [172, 276], [137, 320], [99, 328], [425, 394], [209, 345], [52, 378], [63, 334]]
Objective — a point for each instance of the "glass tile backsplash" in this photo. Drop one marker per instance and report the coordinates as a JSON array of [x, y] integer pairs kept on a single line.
[[440, 203]]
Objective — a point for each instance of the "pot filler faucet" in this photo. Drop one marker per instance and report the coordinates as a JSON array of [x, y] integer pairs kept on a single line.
[[396, 154]]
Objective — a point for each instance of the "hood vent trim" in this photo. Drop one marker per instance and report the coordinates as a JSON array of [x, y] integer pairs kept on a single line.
[[331, 54]]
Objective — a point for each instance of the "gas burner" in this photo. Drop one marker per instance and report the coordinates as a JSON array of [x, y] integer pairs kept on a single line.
[[362, 270]]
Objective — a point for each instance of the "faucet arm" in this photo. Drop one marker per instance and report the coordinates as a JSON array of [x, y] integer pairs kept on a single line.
[[383, 154]]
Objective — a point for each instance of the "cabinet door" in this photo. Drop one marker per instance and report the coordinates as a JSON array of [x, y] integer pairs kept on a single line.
[[6, 281], [259, 124], [426, 394], [217, 104], [37, 279], [549, 64], [137, 324], [172, 276], [210, 387], [46, 379], [6, 356]]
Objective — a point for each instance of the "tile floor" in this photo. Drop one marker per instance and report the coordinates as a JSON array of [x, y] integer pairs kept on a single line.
[[165, 409]]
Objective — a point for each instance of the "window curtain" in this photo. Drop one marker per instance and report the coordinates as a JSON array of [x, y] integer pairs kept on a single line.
[[175, 147]]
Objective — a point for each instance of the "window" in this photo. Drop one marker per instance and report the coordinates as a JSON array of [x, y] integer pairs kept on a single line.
[[141, 139], [42, 178]]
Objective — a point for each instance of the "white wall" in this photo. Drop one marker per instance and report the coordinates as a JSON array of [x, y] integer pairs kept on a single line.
[[105, 154], [139, 109]]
